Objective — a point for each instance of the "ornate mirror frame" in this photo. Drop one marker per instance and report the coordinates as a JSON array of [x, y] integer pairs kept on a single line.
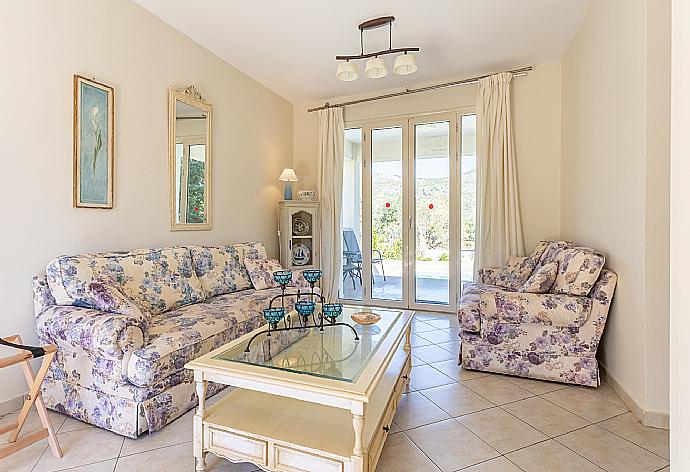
[[192, 97]]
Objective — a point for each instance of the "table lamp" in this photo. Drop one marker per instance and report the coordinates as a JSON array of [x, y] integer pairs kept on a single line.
[[288, 176]]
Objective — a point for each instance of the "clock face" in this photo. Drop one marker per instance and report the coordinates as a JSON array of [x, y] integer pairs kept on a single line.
[[300, 227], [300, 254]]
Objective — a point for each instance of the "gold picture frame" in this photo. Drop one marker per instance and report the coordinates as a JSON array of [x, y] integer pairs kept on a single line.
[[93, 144]]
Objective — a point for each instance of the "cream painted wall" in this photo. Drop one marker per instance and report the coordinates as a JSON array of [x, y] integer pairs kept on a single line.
[[121, 44], [680, 235], [537, 115], [615, 180]]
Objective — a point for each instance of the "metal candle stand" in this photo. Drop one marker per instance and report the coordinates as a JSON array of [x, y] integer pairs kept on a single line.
[[305, 307]]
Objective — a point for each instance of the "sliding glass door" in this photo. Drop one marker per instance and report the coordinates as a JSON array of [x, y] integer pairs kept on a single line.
[[403, 190]]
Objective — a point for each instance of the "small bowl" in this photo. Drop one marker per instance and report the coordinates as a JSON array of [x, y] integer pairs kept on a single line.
[[282, 277], [305, 307], [311, 275], [274, 315], [366, 317], [331, 311]]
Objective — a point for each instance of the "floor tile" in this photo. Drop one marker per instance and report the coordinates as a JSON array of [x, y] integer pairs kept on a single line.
[[432, 353], [611, 452], [24, 460], [394, 428], [104, 466], [606, 392], [552, 457], [501, 430], [628, 427], [73, 424], [419, 328], [452, 347], [441, 336], [417, 410], [416, 360], [457, 372], [467, 449], [450, 324], [456, 399], [179, 431], [401, 455], [500, 464], [584, 404], [425, 376], [430, 315], [548, 418], [418, 341], [496, 389], [537, 387], [178, 457], [33, 422], [81, 447]]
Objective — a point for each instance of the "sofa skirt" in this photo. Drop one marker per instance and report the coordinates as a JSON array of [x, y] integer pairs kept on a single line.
[[121, 415], [478, 354]]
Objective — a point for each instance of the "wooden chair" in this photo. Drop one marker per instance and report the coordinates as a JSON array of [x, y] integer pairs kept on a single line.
[[24, 357]]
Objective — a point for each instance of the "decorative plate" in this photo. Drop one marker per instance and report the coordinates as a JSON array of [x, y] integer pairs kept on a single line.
[[365, 317], [300, 254], [300, 227]]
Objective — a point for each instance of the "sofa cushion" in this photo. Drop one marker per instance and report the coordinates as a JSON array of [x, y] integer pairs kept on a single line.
[[516, 272], [550, 251], [546, 309], [541, 279], [181, 335], [220, 269], [261, 272], [159, 279], [578, 270]]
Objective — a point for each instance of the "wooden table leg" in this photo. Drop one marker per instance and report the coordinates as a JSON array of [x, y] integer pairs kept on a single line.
[[358, 410], [199, 454]]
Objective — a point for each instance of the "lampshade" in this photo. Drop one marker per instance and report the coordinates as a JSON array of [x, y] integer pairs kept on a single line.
[[405, 64], [288, 175], [375, 68], [347, 71]]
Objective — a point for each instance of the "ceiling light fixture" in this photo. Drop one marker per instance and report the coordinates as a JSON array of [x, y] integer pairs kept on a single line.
[[376, 67]]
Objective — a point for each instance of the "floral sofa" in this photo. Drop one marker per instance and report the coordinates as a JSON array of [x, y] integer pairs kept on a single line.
[[540, 316], [127, 323]]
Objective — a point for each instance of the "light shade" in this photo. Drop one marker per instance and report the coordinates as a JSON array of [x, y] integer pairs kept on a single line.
[[347, 71], [288, 175], [405, 64], [375, 68]]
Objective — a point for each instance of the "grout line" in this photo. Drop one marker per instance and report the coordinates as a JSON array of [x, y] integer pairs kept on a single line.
[[117, 459], [421, 450], [623, 437], [157, 448]]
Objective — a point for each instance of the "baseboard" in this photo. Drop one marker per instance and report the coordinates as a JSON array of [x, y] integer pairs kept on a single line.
[[13, 404], [652, 419]]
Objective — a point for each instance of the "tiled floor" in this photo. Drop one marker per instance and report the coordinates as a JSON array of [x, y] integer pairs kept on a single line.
[[451, 420]]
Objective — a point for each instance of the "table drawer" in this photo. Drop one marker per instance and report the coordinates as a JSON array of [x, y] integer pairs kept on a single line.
[[291, 460], [239, 446], [381, 433]]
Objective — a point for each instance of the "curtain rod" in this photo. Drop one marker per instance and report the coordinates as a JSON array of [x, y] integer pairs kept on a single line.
[[408, 91]]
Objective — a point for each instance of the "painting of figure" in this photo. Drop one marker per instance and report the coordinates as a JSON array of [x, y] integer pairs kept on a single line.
[[93, 144]]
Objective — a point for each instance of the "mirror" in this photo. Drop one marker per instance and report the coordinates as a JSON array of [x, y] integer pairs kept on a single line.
[[189, 149]]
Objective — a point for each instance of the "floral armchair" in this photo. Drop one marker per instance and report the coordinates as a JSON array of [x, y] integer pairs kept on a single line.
[[540, 316]]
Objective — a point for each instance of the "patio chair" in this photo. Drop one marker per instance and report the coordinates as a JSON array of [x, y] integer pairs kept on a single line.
[[353, 255]]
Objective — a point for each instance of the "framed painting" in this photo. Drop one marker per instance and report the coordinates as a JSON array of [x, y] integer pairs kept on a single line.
[[94, 153]]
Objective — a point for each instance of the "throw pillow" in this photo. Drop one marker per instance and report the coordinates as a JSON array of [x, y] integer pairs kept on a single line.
[[578, 270], [219, 269], [516, 272], [101, 294], [541, 279], [261, 273]]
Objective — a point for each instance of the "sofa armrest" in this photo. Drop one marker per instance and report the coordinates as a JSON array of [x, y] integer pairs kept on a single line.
[[109, 335], [488, 275]]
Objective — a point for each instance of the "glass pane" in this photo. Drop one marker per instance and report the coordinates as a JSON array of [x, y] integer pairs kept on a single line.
[[468, 198], [331, 353], [387, 213], [351, 288], [195, 184], [432, 197]]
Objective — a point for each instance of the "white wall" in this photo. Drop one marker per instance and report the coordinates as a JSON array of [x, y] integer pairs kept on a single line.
[[615, 180], [680, 235], [537, 115], [121, 44]]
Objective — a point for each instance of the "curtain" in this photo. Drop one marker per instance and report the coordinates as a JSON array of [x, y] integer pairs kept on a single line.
[[499, 226], [331, 155]]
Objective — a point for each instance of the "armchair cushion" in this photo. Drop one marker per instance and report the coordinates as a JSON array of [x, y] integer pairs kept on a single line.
[[516, 272], [579, 269], [541, 279], [546, 309], [489, 275]]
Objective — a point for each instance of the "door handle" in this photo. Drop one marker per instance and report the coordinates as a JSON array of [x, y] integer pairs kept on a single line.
[[409, 220]]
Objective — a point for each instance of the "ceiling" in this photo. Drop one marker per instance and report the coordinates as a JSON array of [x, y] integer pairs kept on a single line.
[[290, 47]]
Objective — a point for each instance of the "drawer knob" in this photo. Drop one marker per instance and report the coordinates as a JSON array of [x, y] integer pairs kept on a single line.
[[386, 428], [405, 377]]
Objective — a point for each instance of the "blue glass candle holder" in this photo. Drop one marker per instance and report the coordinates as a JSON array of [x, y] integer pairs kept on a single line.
[[282, 277], [274, 315], [311, 275], [305, 307], [331, 311]]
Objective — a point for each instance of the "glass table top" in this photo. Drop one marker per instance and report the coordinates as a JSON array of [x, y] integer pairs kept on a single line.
[[332, 353]]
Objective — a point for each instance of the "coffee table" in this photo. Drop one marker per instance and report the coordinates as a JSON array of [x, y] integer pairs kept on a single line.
[[305, 400]]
